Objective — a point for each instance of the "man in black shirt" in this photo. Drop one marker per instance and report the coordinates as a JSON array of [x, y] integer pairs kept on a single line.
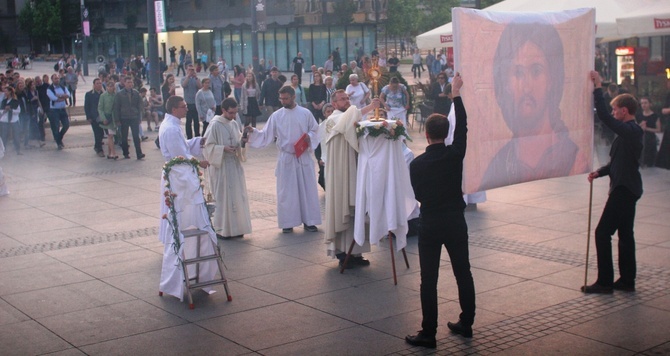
[[91, 100], [625, 189], [393, 63], [270, 90], [436, 178], [298, 62]]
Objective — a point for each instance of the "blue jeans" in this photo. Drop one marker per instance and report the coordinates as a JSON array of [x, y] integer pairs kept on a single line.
[[58, 117], [15, 129]]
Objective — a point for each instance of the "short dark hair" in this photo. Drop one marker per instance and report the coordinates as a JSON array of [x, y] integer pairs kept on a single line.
[[287, 90], [625, 101], [437, 127], [228, 103], [172, 103], [143, 90], [94, 80], [213, 67]]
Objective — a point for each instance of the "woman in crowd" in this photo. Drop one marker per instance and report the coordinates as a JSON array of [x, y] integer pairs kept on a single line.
[[238, 81], [33, 109], [300, 98], [204, 103], [330, 89], [358, 92], [651, 124], [395, 100], [9, 118], [167, 89], [317, 97], [107, 120], [251, 93], [24, 117]]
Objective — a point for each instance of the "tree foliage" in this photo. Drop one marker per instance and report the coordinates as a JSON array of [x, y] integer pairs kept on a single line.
[[403, 17], [42, 20], [343, 11]]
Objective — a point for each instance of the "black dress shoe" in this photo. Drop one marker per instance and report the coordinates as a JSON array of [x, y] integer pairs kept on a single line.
[[460, 329], [359, 260], [622, 286], [126, 156], [310, 228], [141, 156], [596, 288], [421, 340], [287, 230]]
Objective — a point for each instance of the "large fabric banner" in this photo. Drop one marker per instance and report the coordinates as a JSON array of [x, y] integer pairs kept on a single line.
[[527, 94]]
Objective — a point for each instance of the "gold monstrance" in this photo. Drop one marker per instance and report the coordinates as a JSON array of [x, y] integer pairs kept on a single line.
[[374, 73]]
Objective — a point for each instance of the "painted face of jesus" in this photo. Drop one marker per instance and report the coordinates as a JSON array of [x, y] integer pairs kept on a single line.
[[529, 81]]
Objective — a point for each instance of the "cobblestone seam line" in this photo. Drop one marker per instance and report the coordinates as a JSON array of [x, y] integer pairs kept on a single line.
[[652, 283]]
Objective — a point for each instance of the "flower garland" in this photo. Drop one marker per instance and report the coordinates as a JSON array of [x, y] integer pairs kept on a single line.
[[390, 131], [171, 217]]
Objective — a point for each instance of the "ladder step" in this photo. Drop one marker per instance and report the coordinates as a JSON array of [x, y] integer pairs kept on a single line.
[[208, 283], [191, 261]]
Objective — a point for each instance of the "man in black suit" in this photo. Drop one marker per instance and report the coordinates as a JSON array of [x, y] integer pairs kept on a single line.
[[436, 177], [440, 92]]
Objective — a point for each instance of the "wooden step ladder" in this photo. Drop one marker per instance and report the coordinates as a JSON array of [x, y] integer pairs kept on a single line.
[[198, 234]]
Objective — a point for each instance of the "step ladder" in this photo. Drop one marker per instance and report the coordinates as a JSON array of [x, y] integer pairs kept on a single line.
[[193, 282]]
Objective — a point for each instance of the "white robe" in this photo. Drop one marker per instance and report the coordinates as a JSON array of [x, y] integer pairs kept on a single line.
[[297, 197], [191, 211], [339, 146], [384, 193], [226, 178]]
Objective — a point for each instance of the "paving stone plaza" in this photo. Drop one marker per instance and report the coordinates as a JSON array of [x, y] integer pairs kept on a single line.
[[80, 264]]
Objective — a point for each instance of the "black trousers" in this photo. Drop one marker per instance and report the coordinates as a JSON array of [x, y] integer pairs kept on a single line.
[[618, 215], [192, 119], [180, 67], [451, 230], [134, 125], [98, 134]]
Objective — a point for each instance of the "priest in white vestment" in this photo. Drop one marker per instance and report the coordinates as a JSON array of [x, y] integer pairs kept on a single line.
[[226, 176], [339, 147], [189, 204], [297, 196]]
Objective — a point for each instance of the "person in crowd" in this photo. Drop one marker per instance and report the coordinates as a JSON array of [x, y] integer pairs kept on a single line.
[[42, 84], [330, 87], [440, 92], [297, 197], [91, 103], [298, 63], [107, 120], [167, 89], [191, 84], [358, 92], [393, 63], [625, 190], [33, 109], [436, 178], [300, 98], [238, 81], [219, 86], [58, 116], [205, 103], [223, 140], [9, 118], [157, 109], [128, 111], [651, 125], [251, 93], [317, 97], [270, 91], [395, 100], [24, 116]]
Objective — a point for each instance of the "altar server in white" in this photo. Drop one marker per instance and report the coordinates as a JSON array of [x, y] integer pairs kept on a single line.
[[297, 197]]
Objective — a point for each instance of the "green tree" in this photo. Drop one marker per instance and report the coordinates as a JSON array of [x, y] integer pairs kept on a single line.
[[404, 18], [343, 11], [41, 20]]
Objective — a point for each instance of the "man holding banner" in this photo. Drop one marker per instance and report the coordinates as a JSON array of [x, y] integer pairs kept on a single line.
[[625, 189]]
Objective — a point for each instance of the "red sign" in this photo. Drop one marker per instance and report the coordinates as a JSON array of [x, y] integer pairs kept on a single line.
[[446, 38], [624, 51], [661, 23]]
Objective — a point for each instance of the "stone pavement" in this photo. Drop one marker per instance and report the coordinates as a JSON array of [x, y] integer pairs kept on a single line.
[[80, 265]]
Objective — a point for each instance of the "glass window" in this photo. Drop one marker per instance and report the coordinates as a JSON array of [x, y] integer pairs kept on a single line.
[[354, 40], [337, 39], [292, 48], [281, 61], [246, 48], [321, 49], [268, 48], [305, 46], [236, 48]]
